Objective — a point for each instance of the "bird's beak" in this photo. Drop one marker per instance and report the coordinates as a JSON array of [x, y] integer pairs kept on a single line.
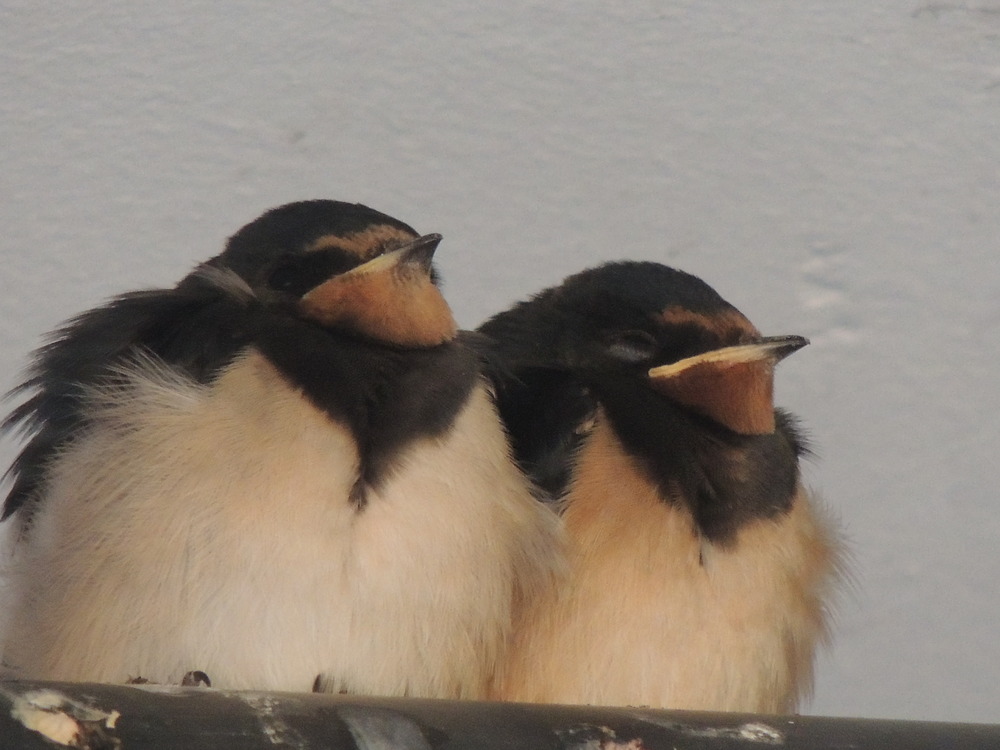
[[413, 257], [391, 298], [733, 385]]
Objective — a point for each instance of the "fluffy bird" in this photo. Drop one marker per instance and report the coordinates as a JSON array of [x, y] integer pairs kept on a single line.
[[699, 566], [287, 472]]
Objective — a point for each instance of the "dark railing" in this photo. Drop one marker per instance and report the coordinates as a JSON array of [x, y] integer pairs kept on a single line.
[[113, 717]]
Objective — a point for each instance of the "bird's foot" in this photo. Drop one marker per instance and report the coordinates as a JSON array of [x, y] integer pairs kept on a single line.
[[194, 678], [323, 684]]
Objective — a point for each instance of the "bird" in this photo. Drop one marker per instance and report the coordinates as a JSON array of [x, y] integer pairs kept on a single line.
[[286, 472], [700, 569]]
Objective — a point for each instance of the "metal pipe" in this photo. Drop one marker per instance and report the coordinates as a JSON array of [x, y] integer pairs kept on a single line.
[[119, 717]]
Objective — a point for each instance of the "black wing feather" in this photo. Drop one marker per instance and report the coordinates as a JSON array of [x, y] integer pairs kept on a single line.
[[197, 326], [545, 410]]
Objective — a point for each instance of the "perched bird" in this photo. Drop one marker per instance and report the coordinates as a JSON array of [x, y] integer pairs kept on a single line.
[[286, 472], [698, 565]]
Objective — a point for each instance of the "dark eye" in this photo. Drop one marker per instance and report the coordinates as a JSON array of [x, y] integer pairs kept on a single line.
[[286, 277], [632, 346], [297, 274]]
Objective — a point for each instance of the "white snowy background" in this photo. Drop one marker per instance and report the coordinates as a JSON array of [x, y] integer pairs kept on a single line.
[[833, 169]]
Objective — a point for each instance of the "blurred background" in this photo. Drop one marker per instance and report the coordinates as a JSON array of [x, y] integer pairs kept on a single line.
[[832, 169]]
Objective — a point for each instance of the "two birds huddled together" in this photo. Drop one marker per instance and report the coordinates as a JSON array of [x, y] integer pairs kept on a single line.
[[291, 472]]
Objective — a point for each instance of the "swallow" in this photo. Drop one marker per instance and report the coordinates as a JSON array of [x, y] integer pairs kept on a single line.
[[699, 566], [287, 472]]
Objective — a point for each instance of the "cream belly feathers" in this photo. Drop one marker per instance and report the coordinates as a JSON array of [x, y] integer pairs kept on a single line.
[[239, 542], [652, 615]]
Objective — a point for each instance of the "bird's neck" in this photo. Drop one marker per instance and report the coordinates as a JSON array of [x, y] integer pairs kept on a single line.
[[610, 488], [725, 480], [387, 398]]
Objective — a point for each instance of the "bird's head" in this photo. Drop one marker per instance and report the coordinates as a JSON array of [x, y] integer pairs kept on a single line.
[[655, 327], [344, 266]]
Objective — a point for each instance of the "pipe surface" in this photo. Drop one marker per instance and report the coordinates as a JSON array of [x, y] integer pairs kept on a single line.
[[118, 717]]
